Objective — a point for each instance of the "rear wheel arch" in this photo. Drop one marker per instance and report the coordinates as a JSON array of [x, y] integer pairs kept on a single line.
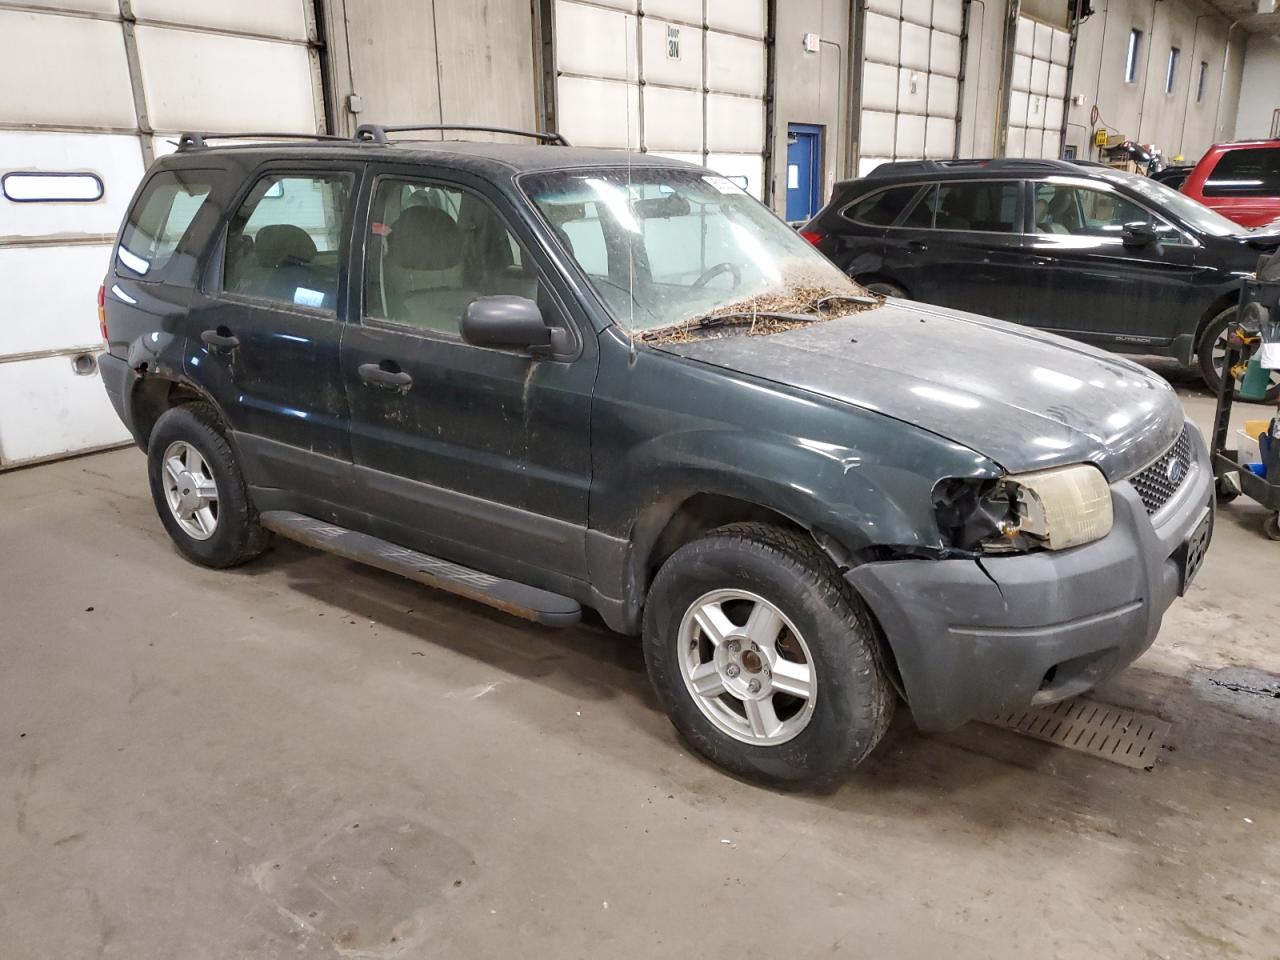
[[155, 394]]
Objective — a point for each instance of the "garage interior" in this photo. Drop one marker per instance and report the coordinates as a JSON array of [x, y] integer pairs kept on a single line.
[[309, 757]]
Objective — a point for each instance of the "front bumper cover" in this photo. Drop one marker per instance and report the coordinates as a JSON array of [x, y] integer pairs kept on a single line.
[[972, 639]]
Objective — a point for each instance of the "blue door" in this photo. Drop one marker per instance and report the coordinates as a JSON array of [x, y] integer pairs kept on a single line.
[[804, 171]]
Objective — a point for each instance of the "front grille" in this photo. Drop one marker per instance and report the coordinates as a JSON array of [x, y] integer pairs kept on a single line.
[[1157, 483]]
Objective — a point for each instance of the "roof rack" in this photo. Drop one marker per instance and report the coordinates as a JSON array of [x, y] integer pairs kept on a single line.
[[198, 141], [997, 163], [377, 133]]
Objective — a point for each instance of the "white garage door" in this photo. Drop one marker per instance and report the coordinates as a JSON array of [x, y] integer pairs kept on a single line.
[[702, 63], [77, 127], [911, 60], [1037, 90]]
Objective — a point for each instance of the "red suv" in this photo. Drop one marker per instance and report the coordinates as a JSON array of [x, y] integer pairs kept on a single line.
[[1239, 180]]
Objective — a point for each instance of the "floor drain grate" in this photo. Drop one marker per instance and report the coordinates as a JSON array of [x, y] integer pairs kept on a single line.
[[1121, 736]]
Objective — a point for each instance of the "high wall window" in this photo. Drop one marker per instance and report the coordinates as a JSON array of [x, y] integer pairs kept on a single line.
[[1171, 71], [1131, 58], [1203, 83]]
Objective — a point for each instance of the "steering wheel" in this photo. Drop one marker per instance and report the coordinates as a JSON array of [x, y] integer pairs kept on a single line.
[[713, 272]]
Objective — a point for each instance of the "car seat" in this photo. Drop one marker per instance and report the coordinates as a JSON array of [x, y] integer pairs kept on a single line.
[[283, 253], [1044, 219], [423, 270]]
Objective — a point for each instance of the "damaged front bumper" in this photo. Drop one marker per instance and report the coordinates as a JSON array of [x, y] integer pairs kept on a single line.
[[972, 639]]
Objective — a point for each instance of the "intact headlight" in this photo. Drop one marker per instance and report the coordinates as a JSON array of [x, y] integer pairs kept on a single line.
[[1050, 509]]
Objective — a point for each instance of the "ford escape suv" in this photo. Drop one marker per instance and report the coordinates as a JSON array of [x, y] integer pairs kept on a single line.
[[545, 377]]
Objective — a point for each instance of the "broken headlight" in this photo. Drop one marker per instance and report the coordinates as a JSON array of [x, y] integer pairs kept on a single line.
[[1049, 509]]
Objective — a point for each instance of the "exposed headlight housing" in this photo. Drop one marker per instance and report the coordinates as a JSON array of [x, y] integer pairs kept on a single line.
[[1049, 509]]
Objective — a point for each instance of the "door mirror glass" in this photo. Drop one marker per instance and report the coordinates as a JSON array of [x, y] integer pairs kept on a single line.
[[505, 322], [1138, 234]]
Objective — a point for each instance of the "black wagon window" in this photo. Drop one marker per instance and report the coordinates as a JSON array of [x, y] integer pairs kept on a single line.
[[882, 208], [1251, 172], [987, 206], [284, 242], [160, 219], [432, 249]]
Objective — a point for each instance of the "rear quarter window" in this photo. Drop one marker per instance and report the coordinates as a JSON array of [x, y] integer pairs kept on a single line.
[[883, 207], [160, 221], [1251, 172]]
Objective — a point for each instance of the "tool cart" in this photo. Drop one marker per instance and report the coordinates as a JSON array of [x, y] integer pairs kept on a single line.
[[1252, 354]]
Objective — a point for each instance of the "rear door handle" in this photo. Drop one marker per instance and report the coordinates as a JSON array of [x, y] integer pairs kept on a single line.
[[918, 246], [377, 375], [222, 337]]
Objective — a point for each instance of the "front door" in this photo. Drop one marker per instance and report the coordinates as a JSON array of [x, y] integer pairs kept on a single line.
[[480, 456], [1097, 285], [804, 171], [265, 342]]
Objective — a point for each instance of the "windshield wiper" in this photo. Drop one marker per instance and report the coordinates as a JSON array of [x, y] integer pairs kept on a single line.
[[869, 301], [738, 316]]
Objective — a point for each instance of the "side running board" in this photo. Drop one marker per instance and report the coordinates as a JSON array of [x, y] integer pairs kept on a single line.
[[517, 599]]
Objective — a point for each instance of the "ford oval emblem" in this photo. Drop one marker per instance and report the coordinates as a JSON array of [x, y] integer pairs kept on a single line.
[[1175, 471]]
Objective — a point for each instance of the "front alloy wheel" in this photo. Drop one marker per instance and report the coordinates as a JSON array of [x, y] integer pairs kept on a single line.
[[747, 667]]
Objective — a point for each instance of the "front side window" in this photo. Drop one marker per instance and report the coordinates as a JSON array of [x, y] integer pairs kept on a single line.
[[160, 219], [668, 244], [882, 208], [434, 248], [1247, 172], [284, 242], [1076, 210]]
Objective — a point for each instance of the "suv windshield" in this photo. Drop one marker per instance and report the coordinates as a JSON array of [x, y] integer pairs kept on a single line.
[[665, 245], [1192, 212]]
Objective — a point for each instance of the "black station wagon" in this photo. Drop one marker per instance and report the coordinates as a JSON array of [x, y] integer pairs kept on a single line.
[[545, 377], [1078, 249]]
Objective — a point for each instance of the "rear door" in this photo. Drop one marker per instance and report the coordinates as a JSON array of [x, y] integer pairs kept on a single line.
[[1093, 286], [264, 341], [962, 247], [481, 456]]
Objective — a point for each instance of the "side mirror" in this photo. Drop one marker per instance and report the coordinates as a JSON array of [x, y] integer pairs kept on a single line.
[[505, 323], [1138, 234]]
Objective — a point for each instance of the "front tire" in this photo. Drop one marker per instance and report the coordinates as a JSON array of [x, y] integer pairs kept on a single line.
[[1211, 355], [885, 289], [199, 491], [764, 658]]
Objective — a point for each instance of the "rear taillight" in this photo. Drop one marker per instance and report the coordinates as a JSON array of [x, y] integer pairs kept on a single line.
[[813, 236], [102, 310]]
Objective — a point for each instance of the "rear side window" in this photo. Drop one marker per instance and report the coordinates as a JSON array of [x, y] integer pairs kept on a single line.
[[283, 243], [160, 219], [1253, 172], [882, 207], [987, 206]]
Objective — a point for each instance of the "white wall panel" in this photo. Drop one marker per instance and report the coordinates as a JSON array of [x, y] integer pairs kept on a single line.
[[741, 167], [88, 84], [684, 71], [49, 409], [1024, 40], [595, 113], [734, 124], [285, 19], [51, 297], [913, 50], [948, 15], [115, 158], [940, 138], [1016, 144], [735, 65], [944, 53], [917, 11], [881, 39], [877, 134], [1040, 77], [1038, 89], [695, 158], [889, 8], [188, 84], [913, 91], [107, 7], [879, 86], [738, 16], [688, 11], [909, 136], [1061, 47], [1057, 81], [672, 119], [1020, 78], [595, 43], [944, 97], [1043, 48]]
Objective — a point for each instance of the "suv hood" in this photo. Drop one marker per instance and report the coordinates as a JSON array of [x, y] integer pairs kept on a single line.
[[1026, 400]]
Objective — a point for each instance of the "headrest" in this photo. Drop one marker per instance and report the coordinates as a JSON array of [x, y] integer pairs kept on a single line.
[[425, 238], [282, 243]]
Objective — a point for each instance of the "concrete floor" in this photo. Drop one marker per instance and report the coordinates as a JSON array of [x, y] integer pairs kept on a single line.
[[305, 757]]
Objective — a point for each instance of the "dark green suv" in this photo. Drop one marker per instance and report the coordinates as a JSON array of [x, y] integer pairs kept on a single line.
[[545, 377]]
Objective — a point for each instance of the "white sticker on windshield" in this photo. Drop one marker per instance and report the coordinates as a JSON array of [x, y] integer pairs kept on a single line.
[[723, 184]]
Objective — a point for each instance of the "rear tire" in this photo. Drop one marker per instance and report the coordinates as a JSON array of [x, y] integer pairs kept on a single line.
[[1210, 358], [821, 701], [199, 491]]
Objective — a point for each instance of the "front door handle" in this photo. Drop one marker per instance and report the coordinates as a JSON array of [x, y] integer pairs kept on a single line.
[[918, 246], [221, 337], [378, 375]]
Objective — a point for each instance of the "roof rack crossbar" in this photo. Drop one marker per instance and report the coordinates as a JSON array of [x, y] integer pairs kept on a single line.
[[377, 133], [193, 140]]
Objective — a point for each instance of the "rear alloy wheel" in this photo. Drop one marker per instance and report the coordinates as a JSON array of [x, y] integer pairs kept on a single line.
[[190, 490], [764, 658], [1212, 354]]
